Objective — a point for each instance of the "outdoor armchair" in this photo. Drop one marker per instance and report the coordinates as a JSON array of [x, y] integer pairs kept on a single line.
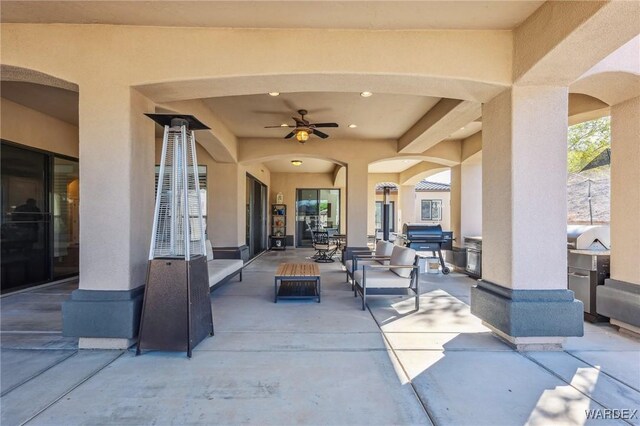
[[325, 248], [380, 256], [400, 276]]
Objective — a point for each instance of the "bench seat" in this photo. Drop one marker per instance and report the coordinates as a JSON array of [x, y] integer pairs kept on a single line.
[[221, 270]]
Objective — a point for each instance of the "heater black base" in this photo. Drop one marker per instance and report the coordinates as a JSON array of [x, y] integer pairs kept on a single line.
[[176, 312]]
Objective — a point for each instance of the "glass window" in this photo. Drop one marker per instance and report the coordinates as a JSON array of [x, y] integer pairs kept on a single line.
[[25, 217], [431, 210], [66, 217]]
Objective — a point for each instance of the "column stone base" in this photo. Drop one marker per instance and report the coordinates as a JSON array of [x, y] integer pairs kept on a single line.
[[620, 301], [528, 319], [100, 343], [523, 344], [628, 329], [347, 252], [103, 316]]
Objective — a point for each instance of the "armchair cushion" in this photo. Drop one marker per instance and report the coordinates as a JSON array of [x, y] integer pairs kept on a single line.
[[382, 278], [384, 248], [402, 256], [349, 264]]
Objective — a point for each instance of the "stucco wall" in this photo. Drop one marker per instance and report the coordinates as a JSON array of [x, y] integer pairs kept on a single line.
[[32, 128], [446, 207]]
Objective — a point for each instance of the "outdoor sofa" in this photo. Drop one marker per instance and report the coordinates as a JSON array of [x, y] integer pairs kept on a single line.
[[222, 270]]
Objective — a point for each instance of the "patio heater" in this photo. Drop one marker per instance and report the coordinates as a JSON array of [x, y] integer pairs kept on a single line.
[[176, 313], [386, 213]]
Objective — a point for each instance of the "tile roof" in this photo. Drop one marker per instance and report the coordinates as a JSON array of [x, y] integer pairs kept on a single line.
[[425, 185], [422, 186]]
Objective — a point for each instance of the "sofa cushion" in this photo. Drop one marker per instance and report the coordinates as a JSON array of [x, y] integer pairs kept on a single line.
[[381, 278], [209, 250], [219, 269], [384, 248], [402, 256]]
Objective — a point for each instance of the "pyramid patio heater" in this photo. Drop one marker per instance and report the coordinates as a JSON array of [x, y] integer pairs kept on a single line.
[[176, 314]]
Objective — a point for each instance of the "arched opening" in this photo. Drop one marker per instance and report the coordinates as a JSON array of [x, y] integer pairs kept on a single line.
[[40, 178]]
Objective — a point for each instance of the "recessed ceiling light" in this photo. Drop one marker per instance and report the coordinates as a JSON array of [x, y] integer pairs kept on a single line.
[[274, 93], [462, 128], [296, 162], [353, 126], [365, 94]]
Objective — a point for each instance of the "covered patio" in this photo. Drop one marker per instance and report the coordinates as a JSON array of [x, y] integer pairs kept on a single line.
[[304, 362]]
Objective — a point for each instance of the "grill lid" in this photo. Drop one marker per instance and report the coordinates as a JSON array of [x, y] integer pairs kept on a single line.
[[588, 237], [419, 230]]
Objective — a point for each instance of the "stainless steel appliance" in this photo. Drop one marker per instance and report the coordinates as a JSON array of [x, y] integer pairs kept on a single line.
[[428, 238], [474, 256], [588, 264]]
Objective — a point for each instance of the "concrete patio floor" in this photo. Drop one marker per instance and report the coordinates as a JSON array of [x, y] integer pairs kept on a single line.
[[299, 362]]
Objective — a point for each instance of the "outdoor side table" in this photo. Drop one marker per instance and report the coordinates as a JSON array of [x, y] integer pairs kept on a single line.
[[297, 281]]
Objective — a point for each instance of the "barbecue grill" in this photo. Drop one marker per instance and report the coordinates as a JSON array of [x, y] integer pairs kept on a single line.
[[428, 238], [588, 264]]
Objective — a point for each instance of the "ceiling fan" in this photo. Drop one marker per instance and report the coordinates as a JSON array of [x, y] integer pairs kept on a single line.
[[303, 129]]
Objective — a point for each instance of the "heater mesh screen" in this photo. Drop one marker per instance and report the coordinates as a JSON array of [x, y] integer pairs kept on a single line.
[[178, 230]]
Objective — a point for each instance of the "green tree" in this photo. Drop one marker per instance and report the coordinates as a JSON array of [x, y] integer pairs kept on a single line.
[[586, 140]]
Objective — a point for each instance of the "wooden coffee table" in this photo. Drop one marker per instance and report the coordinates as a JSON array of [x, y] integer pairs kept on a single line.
[[297, 281]]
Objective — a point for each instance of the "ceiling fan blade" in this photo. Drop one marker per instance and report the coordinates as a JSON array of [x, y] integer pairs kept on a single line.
[[325, 124], [320, 134], [290, 135], [278, 127]]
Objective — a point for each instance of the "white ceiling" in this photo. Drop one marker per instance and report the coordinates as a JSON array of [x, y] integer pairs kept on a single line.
[[59, 103], [381, 116], [381, 15], [309, 165], [392, 166]]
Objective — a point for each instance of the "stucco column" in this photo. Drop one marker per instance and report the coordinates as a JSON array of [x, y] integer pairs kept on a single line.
[[357, 188], [523, 294], [227, 227], [117, 153], [407, 197], [456, 204], [619, 298], [471, 198]]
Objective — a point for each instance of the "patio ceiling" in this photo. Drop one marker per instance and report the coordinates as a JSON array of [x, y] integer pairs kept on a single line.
[[381, 116], [382, 15]]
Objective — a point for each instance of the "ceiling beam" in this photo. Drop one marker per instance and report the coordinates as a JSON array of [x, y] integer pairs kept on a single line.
[[471, 146], [561, 41], [447, 116], [219, 141]]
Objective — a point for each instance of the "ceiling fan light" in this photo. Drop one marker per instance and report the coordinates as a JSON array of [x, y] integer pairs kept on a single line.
[[302, 136], [296, 162]]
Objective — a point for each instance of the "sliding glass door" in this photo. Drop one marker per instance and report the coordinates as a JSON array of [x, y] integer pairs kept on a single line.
[[256, 203], [316, 210], [40, 219]]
